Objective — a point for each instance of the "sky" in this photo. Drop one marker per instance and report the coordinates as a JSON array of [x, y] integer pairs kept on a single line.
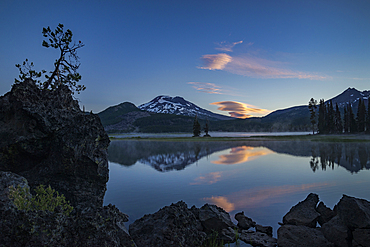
[[238, 58]]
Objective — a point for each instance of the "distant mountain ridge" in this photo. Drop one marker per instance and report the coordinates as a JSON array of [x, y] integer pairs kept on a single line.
[[350, 96], [179, 106], [175, 114]]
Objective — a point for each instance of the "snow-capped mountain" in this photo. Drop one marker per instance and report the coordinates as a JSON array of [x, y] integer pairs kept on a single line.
[[179, 106], [350, 96]]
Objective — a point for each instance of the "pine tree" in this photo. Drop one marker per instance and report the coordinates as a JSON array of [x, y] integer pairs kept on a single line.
[[351, 120], [206, 129], [330, 118], [361, 115], [345, 120], [368, 117], [338, 120], [312, 105], [322, 111], [196, 127]]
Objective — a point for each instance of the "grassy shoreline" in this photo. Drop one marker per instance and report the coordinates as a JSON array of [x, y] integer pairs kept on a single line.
[[315, 138]]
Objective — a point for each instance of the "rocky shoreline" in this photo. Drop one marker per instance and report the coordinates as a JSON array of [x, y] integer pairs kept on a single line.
[[46, 139]]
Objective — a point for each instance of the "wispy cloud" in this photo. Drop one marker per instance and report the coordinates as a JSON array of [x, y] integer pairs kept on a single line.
[[360, 79], [240, 110], [206, 87], [226, 46], [209, 178], [254, 67], [215, 61]]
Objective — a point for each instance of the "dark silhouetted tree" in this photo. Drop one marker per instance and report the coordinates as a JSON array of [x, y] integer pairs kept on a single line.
[[368, 117], [312, 105], [345, 120], [206, 129], [351, 120], [196, 127], [65, 67], [330, 122], [321, 121], [361, 116], [338, 120]]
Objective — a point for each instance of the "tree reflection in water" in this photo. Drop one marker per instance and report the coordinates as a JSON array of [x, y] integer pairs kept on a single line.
[[352, 156]]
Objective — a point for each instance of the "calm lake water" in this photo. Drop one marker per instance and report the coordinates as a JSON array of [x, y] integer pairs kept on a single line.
[[262, 178]]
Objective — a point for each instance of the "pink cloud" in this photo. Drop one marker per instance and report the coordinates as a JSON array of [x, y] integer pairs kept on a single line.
[[225, 46], [215, 61], [254, 67], [206, 87], [238, 109]]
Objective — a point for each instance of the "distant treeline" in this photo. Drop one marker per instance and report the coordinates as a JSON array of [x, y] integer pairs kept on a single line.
[[330, 121]]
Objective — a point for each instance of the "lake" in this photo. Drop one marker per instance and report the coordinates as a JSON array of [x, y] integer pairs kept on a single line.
[[262, 178]]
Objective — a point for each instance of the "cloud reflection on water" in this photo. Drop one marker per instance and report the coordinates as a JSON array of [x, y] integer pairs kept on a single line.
[[241, 154], [209, 178], [255, 197]]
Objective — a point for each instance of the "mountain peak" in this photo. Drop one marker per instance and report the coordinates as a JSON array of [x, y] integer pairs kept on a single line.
[[350, 96], [179, 106]]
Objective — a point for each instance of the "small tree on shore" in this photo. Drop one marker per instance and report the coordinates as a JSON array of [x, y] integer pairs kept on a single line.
[[206, 129], [312, 105], [196, 127]]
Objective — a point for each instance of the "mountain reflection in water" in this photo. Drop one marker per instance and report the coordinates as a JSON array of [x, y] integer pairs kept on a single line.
[[167, 156]]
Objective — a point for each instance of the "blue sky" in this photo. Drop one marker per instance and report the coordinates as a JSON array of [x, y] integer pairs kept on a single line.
[[245, 57]]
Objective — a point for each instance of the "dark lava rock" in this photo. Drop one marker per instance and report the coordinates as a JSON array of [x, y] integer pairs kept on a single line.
[[214, 218], [257, 238], [304, 213], [326, 213], [336, 232], [264, 229], [361, 237], [354, 212], [173, 225], [46, 138], [292, 236], [244, 222]]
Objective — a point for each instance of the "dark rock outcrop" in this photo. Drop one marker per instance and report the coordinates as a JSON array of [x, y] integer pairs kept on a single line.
[[46, 139], [244, 222], [326, 213], [214, 218], [304, 213], [177, 225], [264, 229], [347, 225], [257, 238], [173, 225], [293, 235], [354, 212], [336, 232]]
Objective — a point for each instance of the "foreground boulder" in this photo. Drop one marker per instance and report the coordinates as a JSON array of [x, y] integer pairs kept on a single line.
[[244, 222], [292, 235], [354, 212], [347, 225], [173, 225], [177, 225], [304, 213]]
